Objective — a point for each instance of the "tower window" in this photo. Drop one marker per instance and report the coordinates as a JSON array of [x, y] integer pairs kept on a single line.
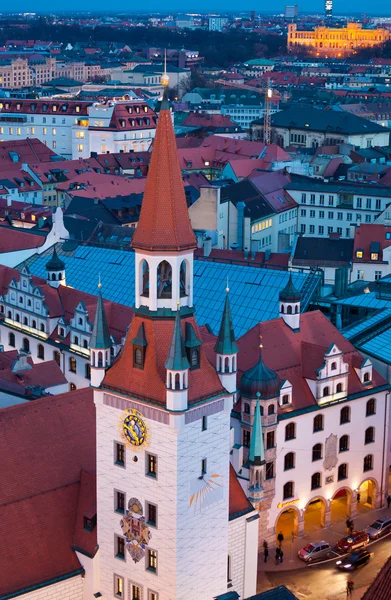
[[204, 423], [119, 456], [194, 358], [151, 514], [118, 586], [203, 466], [119, 502], [119, 547], [151, 465], [246, 438], [152, 561]]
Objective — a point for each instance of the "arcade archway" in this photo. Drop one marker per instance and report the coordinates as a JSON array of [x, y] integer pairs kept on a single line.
[[288, 523], [314, 515], [366, 495], [340, 505]]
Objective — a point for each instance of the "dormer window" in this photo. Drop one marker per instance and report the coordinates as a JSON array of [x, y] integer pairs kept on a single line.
[[285, 399], [374, 256], [333, 366], [367, 377], [89, 523], [194, 358], [326, 391], [138, 358], [246, 408], [359, 253]]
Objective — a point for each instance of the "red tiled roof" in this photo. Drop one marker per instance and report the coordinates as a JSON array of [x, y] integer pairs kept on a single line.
[[164, 222], [62, 107], [58, 438], [381, 585], [239, 504], [13, 239], [208, 121], [101, 185], [30, 150], [86, 507], [284, 348], [365, 235], [150, 382], [40, 526], [46, 374], [278, 260]]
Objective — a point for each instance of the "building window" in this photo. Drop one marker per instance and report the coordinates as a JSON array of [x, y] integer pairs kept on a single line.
[[326, 391], [289, 461], [135, 592], [315, 481], [204, 425], [151, 465], [371, 407], [152, 595], [72, 387], [72, 364], [87, 371], [152, 561], [338, 389], [118, 586], [290, 431], [42, 327], [317, 452], [270, 410], [368, 462], [344, 443], [246, 438], [119, 502], [360, 274], [333, 366], [246, 409], [269, 470], [285, 399], [342, 471], [41, 352], [303, 198], [366, 377], [370, 435], [203, 466], [288, 490], [318, 423], [378, 275], [344, 415], [119, 456], [119, 550], [138, 358], [11, 339], [270, 440], [26, 345], [151, 514], [302, 228]]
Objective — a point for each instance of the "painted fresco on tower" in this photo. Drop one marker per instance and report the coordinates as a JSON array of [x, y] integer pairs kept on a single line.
[[135, 530]]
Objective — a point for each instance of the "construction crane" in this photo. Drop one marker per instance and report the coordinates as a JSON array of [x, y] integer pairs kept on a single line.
[[267, 124]]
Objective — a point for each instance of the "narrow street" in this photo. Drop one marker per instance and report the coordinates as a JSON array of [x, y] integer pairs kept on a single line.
[[326, 582]]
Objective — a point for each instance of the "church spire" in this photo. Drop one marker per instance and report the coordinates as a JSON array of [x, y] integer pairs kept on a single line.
[[177, 359], [164, 224], [257, 452], [100, 337], [226, 342]]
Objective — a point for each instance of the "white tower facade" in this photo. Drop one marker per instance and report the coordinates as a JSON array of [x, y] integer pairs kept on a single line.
[[163, 419]]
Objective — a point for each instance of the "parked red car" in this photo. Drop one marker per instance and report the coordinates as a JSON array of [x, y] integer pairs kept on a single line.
[[357, 539]]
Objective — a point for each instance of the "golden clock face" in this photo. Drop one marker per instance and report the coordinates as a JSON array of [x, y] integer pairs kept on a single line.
[[134, 429]]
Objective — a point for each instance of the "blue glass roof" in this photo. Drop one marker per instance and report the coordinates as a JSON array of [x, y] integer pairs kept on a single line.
[[379, 346], [253, 291], [366, 301], [366, 323]]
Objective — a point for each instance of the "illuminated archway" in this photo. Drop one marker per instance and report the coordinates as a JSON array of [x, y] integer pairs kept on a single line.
[[288, 522], [366, 495], [340, 505], [314, 514]]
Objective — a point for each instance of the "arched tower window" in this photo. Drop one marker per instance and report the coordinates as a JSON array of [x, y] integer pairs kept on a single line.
[[183, 279], [144, 275], [164, 280]]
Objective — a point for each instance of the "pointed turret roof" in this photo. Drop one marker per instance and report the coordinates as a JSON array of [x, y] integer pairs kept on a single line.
[[177, 359], [140, 339], [290, 293], [164, 223], [55, 263], [100, 337], [226, 342], [257, 452]]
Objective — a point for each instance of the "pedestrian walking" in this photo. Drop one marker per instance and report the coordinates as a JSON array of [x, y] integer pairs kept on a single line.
[[265, 544], [348, 525], [349, 588], [280, 538], [281, 556], [351, 526], [278, 551], [388, 501], [358, 497], [265, 553]]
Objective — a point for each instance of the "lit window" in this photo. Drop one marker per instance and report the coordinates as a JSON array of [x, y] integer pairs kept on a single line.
[[152, 561], [44, 131], [118, 586], [80, 147], [54, 131], [374, 256]]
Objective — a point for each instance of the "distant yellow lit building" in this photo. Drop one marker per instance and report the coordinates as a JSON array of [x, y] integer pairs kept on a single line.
[[327, 41]]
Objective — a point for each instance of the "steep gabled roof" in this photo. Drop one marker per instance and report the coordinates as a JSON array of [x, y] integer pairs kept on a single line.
[[164, 220]]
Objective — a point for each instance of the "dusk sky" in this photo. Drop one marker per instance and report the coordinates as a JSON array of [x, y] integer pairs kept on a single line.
[[340, 7]]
